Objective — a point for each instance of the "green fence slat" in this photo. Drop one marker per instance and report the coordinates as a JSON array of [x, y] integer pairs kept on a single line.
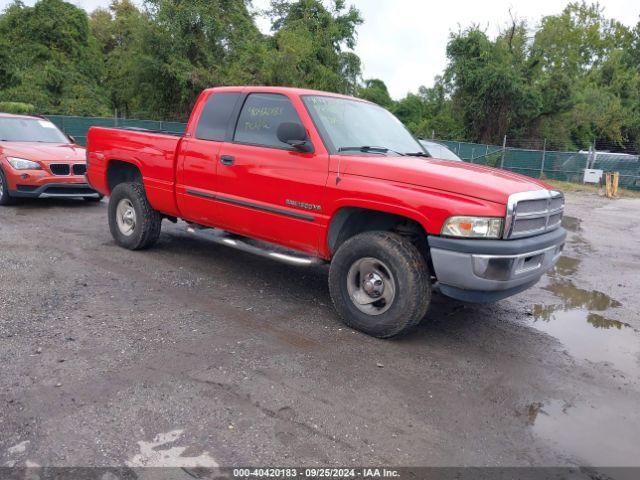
[[79, 126], [564, 166]]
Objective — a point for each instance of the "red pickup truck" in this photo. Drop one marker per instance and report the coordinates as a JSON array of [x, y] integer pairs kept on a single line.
[[307, 176]]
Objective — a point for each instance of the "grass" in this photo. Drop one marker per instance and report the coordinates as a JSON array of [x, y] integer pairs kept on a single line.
[[584, 187]]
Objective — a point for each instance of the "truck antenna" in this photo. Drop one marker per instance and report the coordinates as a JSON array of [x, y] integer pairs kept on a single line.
[[338, 176]]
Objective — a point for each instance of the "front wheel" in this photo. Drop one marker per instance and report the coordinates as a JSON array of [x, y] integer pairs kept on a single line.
[[379, 284], [5, 198], [134, 224]]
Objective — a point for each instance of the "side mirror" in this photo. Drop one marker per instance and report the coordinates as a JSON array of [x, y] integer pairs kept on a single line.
[[294, 134]]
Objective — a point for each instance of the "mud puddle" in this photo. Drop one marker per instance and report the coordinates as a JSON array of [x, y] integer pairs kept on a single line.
[[581, 318], [602, 435], [591, 337], [571, 223], [582, 323], [596, 430]]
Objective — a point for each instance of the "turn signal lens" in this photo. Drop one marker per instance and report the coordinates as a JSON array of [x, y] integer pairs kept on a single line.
[[473, 227]]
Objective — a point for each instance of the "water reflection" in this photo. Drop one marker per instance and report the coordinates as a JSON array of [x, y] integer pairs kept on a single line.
[[574, 297], [571, 223], [598, 321], [596, 340], [579, 320], [597, 436], [566, 266], [603, 431]]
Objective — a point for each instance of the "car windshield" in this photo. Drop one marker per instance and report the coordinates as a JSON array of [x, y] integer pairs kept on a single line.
[[440, 151], [352, 125], [30, 130]]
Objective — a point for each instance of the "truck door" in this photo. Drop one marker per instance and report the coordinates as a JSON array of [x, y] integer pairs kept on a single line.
[[268, 189], [198, 159]]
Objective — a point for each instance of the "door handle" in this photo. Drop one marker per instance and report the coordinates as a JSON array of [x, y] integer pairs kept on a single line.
[[227, 160]]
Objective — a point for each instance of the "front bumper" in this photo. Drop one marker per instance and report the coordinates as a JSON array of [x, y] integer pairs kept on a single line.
[[489, 270], [55, 190]]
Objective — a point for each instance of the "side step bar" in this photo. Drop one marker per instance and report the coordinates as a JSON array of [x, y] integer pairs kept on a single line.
[[254, 247]]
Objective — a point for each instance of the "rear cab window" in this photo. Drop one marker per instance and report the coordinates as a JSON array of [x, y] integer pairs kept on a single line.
[[215, 118], [260, 117]]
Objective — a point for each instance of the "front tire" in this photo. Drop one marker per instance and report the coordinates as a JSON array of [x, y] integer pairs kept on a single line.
[[5, 198], [134, 224], [379, 284]]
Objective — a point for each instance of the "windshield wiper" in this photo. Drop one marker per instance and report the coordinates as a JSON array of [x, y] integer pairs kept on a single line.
[[418, 154], [367, 149]]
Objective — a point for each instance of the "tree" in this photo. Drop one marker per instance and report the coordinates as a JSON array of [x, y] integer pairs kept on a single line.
[[375, 91], [311, 45], [53, 62], [582, 64], [488, 81], [120, 32]]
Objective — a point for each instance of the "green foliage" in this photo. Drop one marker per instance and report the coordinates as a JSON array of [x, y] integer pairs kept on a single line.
[[154, 62], [310, 45], [577, 82], [53, 62], [573, 79], [17, 108], [375, 91]]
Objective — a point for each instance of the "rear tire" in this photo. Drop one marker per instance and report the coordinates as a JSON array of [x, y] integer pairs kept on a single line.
[[134, 224], [5, 198], [379, 284]]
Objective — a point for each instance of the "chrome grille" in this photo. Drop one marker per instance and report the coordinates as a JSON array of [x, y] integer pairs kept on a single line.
[[533, 213]]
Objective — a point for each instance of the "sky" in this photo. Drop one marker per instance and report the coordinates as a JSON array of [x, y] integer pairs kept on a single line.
[[403, 42]]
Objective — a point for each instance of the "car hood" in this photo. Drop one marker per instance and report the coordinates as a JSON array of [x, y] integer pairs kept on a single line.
[[43, 152], [464, 178]]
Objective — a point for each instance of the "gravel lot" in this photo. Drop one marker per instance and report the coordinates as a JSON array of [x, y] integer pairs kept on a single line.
[[192, 353]]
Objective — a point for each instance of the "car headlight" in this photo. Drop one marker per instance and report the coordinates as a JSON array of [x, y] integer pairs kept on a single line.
[[23, 164], [473, 227]]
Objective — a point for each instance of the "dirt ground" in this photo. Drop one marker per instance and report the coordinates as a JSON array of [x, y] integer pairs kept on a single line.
[[193, 353]]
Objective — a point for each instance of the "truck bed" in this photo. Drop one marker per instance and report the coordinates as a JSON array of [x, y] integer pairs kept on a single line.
[[152, 152]]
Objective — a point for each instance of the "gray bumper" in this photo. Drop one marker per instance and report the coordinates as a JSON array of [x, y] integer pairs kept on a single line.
[[55, 190], [489, 270]]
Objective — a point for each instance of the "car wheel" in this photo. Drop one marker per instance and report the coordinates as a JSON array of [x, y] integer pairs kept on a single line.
[[134, 224], [5, 198], [379, 284]]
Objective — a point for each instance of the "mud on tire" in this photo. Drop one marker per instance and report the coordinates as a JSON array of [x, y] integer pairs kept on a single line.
[[134, 224], [380, 257]]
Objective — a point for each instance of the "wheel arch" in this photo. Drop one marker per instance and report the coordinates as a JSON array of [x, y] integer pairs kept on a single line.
[[349, 221], [122, 171]]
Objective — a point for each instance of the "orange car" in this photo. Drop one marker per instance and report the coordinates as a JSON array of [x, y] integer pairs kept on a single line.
[[37, 160]]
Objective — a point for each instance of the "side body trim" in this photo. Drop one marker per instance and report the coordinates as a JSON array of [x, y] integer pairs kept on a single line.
[[243, 203]]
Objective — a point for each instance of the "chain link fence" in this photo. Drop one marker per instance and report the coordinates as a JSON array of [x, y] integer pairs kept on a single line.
[[537, 163], [553, 165]]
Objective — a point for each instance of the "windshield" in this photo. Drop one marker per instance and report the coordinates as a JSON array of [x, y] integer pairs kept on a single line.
[[347, 124], [30, 130], [439, 151]]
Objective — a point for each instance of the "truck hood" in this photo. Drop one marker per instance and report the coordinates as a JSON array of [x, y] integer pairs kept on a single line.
[[464, 178], [43, 152]]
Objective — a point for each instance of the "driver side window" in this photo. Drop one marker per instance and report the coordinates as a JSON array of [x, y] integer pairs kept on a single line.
[[260, 117]]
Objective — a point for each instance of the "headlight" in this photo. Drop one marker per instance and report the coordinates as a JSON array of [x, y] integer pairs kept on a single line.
[[473, 227], [23, 164]]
